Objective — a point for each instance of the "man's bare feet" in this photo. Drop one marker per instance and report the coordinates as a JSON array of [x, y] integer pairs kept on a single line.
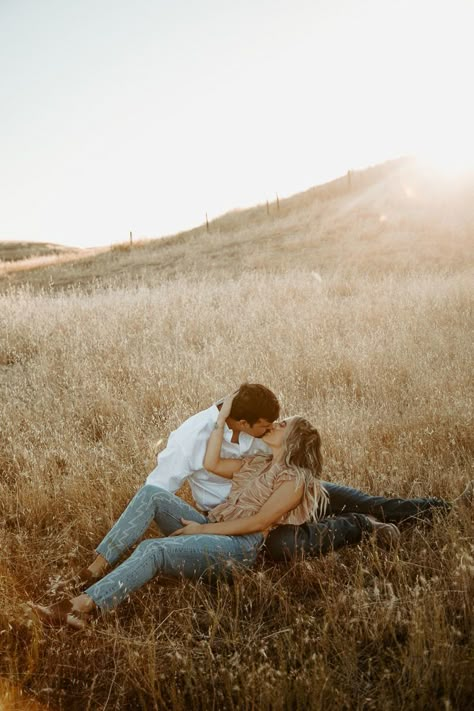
[[387, 535], [78, 581], [83, 579], [64, 613]]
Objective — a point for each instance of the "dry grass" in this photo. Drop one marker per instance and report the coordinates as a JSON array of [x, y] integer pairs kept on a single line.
[[394, 219], [14, 251], [14, 268], [379, 356]]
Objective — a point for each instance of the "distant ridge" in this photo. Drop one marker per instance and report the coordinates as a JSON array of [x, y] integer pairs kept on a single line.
[[385, 219], [15, 251]]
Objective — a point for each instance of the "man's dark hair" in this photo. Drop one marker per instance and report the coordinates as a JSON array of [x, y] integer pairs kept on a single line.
[[254, 402]]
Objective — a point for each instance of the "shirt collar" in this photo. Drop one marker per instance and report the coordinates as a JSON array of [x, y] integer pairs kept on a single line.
[[245, 440]]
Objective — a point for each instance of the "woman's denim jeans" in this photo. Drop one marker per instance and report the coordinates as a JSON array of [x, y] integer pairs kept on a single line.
[[349, 509], [345, 499], [189, 556], [197, 555]]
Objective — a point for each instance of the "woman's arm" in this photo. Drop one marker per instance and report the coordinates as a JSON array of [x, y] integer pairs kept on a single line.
[[283, 499], [212, 459]]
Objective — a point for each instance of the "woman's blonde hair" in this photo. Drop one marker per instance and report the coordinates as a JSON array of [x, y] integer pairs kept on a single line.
[[302, 454]]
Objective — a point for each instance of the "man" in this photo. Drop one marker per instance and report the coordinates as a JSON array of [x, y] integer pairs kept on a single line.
[[254, 409]]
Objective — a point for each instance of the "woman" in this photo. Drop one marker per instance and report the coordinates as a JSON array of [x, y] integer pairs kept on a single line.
[[281, 488]]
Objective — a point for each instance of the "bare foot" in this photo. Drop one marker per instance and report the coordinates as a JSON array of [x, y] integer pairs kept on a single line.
[[82, 579], [78, 581], [73, 613], [60, 614]]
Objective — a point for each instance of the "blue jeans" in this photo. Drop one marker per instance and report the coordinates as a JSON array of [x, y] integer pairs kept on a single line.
[[349, 508], [188, 556], [345, 499]]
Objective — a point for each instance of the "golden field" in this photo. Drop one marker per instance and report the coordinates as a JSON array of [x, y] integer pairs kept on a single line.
[[355, 307]]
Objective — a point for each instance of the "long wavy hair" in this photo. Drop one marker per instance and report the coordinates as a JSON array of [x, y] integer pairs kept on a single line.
[[302, 454]]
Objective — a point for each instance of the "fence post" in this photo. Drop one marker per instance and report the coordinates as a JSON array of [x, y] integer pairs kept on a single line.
[[278, 202], [131, 238], [207, 224]]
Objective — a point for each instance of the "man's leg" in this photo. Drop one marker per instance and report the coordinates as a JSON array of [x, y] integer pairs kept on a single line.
[[188, 556], [149, 503], [316, 539], [345, 499]]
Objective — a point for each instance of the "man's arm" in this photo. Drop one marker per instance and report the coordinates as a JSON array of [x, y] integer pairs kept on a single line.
[[171, 471], [173, 467], [283, 499]]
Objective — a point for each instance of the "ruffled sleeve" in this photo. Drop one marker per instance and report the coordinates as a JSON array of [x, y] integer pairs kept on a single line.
[[281, 476], [313, 503]]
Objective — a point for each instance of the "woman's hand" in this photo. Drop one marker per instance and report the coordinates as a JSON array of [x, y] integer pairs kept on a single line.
[[226, 406], [189, 528], [213, 461]]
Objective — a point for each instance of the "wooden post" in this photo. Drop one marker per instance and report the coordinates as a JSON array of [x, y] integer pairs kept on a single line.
[[278, 202], [207, 224], [131, 238]]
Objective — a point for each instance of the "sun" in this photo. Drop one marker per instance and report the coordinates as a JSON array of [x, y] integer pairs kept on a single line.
[[450, 165], [450, 157]]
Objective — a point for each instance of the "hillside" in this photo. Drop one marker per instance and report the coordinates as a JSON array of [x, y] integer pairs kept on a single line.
[[392, 217], [16, 251], [353, 302]]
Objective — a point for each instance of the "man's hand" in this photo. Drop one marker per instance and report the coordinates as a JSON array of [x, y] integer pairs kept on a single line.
[[189, 528]]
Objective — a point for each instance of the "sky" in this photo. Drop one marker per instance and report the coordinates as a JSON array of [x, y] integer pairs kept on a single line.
[[146, 115]]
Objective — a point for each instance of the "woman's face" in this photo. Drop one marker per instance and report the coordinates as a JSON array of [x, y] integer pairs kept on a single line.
[[276, 436]]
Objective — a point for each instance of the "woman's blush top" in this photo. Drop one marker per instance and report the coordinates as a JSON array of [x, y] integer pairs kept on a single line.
[[253, 485]]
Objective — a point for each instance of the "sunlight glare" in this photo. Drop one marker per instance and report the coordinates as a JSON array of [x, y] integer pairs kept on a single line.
[[449, 163]]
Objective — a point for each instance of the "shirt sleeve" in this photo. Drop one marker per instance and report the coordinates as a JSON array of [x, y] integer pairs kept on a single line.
[[282, 476], [173, 467]]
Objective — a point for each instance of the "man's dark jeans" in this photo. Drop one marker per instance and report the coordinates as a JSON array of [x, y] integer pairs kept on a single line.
[[349, 509]]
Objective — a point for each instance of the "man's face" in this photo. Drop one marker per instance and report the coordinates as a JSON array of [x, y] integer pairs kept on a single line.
[[258, 429]]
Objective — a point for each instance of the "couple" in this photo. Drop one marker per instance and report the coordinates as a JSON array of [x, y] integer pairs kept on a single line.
[[255, 481]]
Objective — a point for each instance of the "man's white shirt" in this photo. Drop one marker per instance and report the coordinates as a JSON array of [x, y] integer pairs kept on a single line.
[[184, 456]]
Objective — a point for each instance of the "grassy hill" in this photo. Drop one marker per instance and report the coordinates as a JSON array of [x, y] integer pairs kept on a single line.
[[390, 217], [353, 302], [16, 251]]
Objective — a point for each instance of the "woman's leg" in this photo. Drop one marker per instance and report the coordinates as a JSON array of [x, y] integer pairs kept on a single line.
[[345, 499], [187, 556], [316, 539]]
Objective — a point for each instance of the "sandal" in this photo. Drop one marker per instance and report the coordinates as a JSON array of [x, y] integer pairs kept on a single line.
[[60, 614]]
